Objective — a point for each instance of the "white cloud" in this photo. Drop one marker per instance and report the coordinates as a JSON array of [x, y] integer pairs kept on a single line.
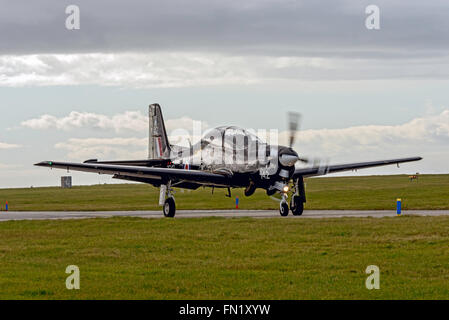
[[101, 148], [418, 137], [427, 136], [85, 143], [5, 166], [114, 148], [129, 120], [123, 69], [187, 69], [184, 123], [4, 145]]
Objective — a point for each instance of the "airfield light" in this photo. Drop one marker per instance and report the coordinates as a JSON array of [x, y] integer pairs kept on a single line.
[[398, 206], [285, 188]]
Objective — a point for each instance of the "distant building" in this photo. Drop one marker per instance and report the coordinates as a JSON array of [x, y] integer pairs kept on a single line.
[[66, 182]]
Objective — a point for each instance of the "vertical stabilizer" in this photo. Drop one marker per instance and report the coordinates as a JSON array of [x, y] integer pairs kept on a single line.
[[158, 146]]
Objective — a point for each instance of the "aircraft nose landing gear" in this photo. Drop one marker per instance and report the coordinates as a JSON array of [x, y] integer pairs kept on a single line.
[[283, 206], [283, 209]]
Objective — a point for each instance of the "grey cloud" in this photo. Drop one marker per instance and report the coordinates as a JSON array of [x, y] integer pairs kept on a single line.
[[287, 28]]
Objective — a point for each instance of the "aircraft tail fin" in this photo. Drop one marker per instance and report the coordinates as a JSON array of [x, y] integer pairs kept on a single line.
[[158, 146]]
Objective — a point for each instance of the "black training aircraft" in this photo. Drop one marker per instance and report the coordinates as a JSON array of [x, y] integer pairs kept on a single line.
[[226, 157]]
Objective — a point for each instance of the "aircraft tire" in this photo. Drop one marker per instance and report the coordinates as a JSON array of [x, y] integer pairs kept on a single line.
[[297, 206], [250, 189], [283, 209], [169, 208]]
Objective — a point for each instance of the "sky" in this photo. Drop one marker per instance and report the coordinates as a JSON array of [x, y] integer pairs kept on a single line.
[[364, 94]]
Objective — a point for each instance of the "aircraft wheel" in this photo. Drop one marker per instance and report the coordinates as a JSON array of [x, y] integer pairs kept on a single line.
[[169, 208], [283, 209], [250, 189], [297, 206]]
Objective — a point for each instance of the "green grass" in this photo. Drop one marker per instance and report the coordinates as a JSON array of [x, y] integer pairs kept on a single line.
[[215, 258], [373, 192]]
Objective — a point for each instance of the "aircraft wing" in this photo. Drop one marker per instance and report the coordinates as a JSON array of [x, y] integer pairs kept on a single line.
[[326, 169], [141, 173], [142, 163]]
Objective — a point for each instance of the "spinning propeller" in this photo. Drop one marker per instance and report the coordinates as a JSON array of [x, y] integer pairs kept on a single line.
[[293, 124]]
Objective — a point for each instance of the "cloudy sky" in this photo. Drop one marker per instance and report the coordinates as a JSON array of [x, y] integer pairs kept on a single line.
[[363, 94]]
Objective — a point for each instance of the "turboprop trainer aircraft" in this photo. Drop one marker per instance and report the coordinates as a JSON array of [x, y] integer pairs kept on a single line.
[[226, 157]]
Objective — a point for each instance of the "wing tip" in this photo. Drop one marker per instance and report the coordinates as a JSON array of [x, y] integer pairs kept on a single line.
[[44, 164], [410, 159]]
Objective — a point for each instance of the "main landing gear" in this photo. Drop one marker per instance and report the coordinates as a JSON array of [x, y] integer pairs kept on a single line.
[[296, 205], [169, 205]]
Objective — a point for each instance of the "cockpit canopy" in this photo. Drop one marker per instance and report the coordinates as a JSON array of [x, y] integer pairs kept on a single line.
[[231, 137]]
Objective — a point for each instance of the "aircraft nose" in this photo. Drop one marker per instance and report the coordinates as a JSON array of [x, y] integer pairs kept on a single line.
[[288, 158]]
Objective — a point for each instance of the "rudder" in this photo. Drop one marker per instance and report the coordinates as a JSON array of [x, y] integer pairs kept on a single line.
[[158, 146]]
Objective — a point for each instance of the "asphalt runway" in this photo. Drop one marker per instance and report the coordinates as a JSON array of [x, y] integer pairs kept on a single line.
[[21, 215]]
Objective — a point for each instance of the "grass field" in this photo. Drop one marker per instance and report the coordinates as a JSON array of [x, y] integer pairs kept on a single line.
[[216, 258], [373, 192]]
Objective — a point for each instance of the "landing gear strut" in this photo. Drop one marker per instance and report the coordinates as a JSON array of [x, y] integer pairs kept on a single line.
[[168, 206]]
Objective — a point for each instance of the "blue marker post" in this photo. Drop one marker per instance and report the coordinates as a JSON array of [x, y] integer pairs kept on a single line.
[[6, 206], [236, 202], [398, 206]]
